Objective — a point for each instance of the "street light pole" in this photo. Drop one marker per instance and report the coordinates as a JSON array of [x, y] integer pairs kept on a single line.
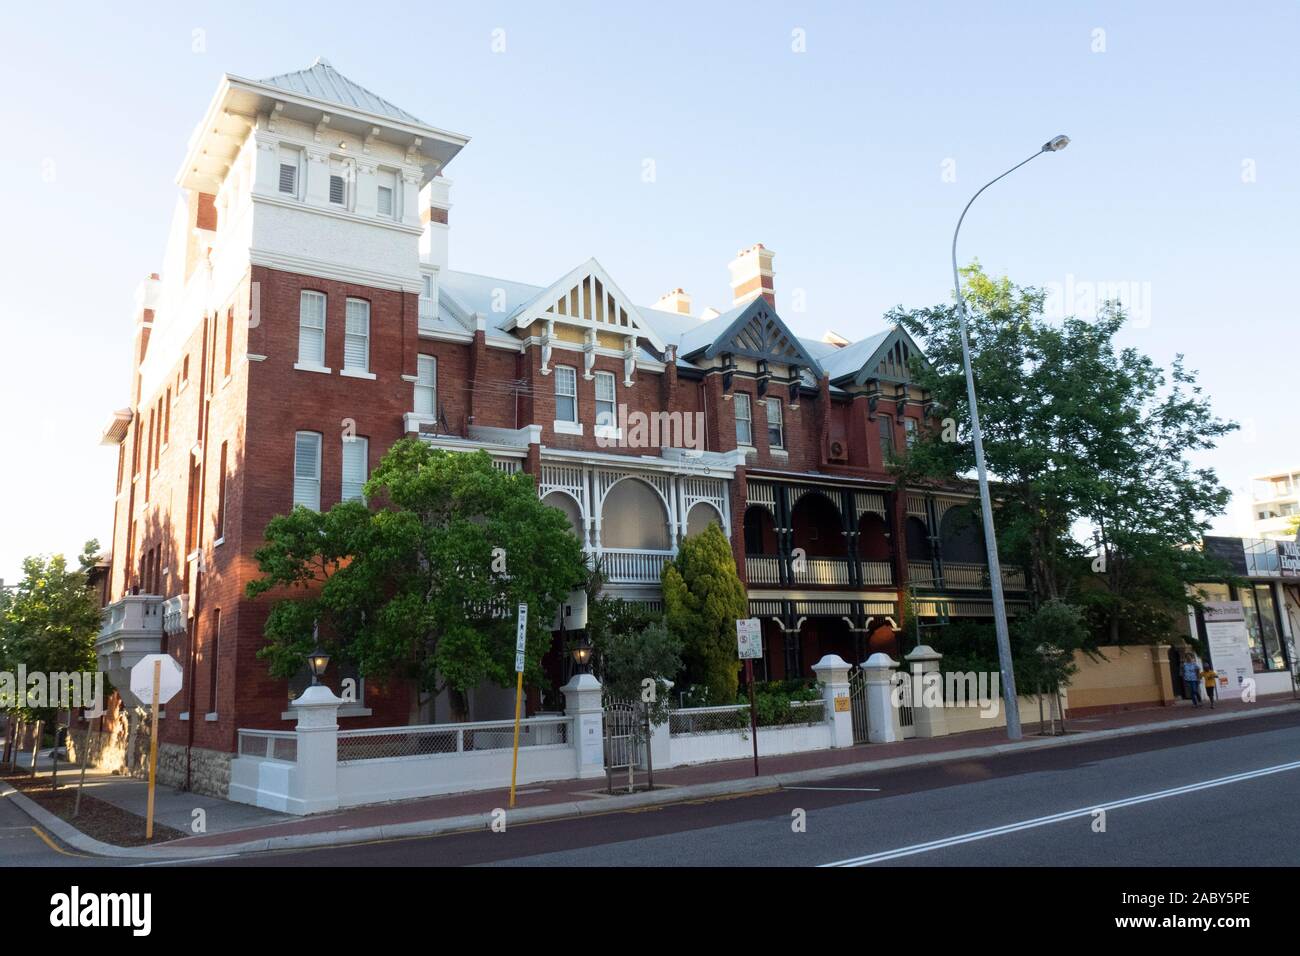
[[986, 506]]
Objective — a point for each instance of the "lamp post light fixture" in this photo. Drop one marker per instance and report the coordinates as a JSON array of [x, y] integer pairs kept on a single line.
[[582, 653], [1053, 145], [318, 660]]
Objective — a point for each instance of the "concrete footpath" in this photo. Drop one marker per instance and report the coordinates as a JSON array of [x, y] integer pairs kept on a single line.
[[236, 828]]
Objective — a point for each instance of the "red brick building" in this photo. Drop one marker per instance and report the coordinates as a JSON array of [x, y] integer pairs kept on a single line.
[[305, 318]]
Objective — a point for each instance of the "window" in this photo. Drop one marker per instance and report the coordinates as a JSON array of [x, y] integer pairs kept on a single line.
[[311, 329], [775, 429], [566, 394], [356, 452], [385, 198], [606, 412], [356, 340], [214, 645], [426, 386], [886, 426], [221, 493], [338, 191], [744, 419], [167, 418], [288, 172], [185, 370], [909, 431], [426, 300], [230, 339], [306, 470]]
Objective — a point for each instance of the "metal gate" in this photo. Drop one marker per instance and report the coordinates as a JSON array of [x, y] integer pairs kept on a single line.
[[906, 718], [622, 742], [858, 705]]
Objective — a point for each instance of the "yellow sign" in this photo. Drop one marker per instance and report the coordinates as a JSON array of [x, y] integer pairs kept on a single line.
[[841, 705]]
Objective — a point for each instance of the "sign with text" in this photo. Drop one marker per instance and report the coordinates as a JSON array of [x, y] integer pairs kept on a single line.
[[749, 638], [1225, 633], [521, 638], [1289, 552]]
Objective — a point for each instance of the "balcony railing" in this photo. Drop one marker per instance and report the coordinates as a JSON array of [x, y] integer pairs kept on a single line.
[[141, 613], [631, 566], [921, 575], [964, 577], [762, 569], [876, 573], [820, 571]]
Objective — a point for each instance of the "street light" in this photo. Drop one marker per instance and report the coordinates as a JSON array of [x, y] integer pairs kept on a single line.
[[1053, 145]]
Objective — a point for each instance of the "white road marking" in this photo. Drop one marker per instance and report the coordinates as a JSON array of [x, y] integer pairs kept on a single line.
[[839, 789], [1059, 817]]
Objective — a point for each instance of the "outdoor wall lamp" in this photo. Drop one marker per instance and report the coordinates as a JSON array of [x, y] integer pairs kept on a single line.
[[318, 660]]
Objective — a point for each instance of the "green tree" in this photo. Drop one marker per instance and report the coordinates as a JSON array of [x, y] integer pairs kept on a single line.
[[50, 621], [703, 598], [422, 588], [1079, 433], [628, 658]]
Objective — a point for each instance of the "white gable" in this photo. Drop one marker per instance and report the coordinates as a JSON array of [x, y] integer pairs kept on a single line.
[[588, 298]]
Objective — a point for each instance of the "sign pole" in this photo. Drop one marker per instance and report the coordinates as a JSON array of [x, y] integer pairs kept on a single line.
[[753, 717], [749, 645], [153, 750], [521, 634]]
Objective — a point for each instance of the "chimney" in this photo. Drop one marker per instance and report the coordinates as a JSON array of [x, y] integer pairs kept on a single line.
[[675, 301], [751, 275], [835, 339]]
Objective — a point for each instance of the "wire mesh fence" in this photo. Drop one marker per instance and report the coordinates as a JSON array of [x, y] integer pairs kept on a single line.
[[269, 745], [434, 739]]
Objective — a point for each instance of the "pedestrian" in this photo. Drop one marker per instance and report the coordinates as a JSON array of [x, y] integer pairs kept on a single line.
[[1192, 680], [1211, 679]]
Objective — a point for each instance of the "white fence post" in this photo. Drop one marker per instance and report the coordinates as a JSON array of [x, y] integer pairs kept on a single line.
[[882, 716], [929, 721], [833, 673], [582, 703], [316, 777]]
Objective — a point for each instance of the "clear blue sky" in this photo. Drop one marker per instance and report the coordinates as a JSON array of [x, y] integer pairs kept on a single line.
[[833, 157]]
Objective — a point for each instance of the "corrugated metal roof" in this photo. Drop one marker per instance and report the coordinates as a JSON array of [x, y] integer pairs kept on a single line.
[[321, 81]]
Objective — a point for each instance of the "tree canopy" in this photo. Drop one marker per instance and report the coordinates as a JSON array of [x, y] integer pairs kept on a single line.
[[424, 586], [703, 598], [49, 623], [1088, 440]]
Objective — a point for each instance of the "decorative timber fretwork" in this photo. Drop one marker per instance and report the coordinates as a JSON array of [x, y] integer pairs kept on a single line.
[[764, 495], [757, 332], [865, 502], [890, 361], [587, 298]]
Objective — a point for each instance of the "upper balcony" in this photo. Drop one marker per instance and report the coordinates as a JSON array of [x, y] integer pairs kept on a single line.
[[132, 628]]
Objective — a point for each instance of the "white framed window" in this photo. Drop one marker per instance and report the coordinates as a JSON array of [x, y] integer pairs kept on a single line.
[[386, 193], [775, 424], [306, 470], [311, 329], [606, 407], [909, 431], [427, 299], [356, 338], [338, 190], [426, 386], [566, 394], [290, 160], [356, 467], [744, 419]]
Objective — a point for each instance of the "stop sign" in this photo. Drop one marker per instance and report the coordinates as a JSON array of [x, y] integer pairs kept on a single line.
[[169, 678]]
